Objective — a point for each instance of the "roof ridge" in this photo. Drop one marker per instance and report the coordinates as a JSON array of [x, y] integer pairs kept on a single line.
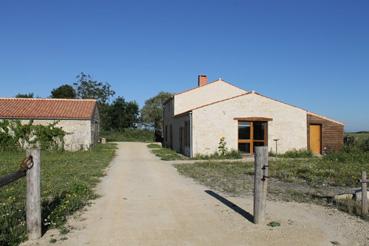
[[48, 99]]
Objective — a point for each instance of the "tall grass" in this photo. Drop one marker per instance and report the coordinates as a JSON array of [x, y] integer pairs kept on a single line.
[[67, 181]]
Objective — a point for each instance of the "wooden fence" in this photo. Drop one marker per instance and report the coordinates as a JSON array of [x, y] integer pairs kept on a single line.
[[30, 167]]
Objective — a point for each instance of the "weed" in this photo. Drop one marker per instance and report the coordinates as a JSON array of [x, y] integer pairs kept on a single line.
[[274, 224], [53, 240]]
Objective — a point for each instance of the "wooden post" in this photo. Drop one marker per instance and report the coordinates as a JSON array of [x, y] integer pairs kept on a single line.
[[260, 183], [34, 196], [364, 195]]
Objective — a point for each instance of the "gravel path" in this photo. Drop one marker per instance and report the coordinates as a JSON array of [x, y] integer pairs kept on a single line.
[[144, 201]]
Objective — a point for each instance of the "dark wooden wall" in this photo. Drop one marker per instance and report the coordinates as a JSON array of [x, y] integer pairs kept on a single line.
[[332, 133]]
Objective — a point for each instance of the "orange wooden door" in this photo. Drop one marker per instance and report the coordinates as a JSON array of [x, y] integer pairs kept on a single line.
[[315, 139]]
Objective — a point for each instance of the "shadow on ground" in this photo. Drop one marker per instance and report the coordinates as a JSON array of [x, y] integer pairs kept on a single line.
[[231, 205]]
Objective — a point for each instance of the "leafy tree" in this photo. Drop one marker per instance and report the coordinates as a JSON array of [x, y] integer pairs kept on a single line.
[[87, 88], [25, 95], [152, 112], [132, 112], [64, 91], [123, 114]]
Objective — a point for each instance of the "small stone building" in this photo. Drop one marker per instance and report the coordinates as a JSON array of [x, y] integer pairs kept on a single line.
[[79, 118], [195, 120]]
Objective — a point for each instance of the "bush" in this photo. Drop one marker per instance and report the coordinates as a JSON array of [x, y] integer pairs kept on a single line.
[[15, 136], [349, 155], [365, 145]]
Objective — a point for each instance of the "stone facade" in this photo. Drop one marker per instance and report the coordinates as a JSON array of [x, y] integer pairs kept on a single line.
[[212, 122], [80, 134], [211, 111]]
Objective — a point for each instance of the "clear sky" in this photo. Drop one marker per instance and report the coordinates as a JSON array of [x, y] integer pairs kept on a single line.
[[313, 54]]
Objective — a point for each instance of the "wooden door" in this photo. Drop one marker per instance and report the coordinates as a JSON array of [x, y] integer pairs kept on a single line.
[[316, 139]]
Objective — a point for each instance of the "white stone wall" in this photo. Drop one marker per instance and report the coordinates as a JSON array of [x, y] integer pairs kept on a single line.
[[176, 123], [212, 122], [200, 96], [78, 137]]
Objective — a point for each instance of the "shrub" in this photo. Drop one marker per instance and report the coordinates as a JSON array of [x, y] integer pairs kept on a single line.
[[14, 135], [222, 148], [365, 145]]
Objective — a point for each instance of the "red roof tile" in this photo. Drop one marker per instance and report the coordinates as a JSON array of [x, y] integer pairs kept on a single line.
[[37, 108]]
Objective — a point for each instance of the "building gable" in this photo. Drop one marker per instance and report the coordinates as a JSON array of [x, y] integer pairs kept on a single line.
[[205, 94]]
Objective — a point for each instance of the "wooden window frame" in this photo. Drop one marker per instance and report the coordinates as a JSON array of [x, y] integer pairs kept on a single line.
[[251, 141]]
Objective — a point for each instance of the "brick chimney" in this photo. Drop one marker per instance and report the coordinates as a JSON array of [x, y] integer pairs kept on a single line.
[[202, 80]]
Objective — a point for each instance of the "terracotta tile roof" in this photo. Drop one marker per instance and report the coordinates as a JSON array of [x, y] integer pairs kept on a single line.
[[37, 108]]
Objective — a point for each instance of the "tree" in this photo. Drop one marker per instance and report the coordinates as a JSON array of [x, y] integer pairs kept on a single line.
[[123, 114], [64, 91], [152, 112], [87, 88], [25, 95]]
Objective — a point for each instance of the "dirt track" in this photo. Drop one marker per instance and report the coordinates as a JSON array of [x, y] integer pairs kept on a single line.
[[144, 201]]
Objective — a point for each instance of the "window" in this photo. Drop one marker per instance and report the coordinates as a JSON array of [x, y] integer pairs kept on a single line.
[[251, 134], [244, 130]]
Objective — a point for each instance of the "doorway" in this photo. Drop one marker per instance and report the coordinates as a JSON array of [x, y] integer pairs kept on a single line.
[[315, 139]]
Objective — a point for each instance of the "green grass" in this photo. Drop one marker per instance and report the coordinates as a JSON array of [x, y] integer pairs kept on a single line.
[[234, 154], [128, 135], [67, 181], [294, 154], [154, 146], [336, 170], [227, 177], [166, 154]]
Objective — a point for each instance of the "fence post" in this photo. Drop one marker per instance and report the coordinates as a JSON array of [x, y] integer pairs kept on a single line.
[[260, 183], [364, 195], [33, 210]]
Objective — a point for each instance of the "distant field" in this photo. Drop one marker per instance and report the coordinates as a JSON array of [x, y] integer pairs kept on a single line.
[[359, 136]]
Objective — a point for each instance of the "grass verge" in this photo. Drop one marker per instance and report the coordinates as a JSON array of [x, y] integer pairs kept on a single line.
[[67, 182], [166, 154], [304, 180]]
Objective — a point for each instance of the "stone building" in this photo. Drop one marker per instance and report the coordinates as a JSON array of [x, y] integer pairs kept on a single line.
[[195, 120], [79, 118]]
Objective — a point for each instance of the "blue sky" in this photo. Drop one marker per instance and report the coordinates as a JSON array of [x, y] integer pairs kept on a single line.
[[313, 54]]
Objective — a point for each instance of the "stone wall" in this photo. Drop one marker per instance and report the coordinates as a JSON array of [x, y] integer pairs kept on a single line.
[[212, 122], [78, 133]]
